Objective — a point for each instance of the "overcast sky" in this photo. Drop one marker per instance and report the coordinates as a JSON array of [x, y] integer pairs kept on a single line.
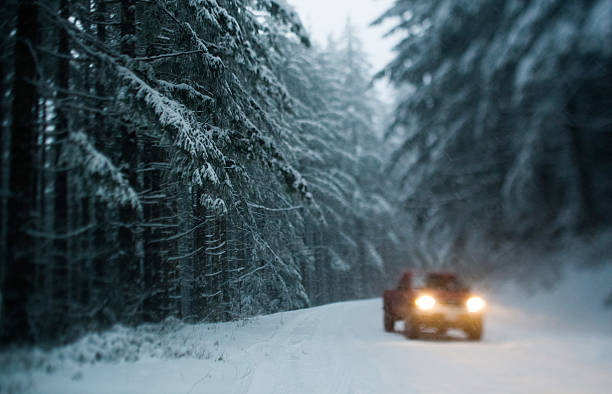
[[325, 17]]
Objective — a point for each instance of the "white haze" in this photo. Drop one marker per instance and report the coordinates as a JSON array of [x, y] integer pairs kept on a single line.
[[323, 18]]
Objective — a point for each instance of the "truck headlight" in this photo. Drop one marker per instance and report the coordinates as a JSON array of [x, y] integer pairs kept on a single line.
[[475, 304], [425, 302]]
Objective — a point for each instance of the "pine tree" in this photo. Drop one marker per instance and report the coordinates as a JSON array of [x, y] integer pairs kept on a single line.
[[491, 154]]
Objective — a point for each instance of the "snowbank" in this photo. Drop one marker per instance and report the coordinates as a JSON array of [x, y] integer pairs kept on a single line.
[[530, 345]]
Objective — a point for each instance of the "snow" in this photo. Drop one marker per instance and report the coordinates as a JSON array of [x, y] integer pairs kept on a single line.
[[111, 185], [338, 263], [341, 348], [374, 258]]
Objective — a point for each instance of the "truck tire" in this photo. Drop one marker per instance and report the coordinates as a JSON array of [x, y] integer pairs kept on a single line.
[[474, 330], [411, 328], [441, 332], [389, 322]]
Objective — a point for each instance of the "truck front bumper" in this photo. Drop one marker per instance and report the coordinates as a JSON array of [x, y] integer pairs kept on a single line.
[[446, 316]]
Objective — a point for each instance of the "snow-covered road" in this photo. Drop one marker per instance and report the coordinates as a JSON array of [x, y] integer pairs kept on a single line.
[[341, 348]]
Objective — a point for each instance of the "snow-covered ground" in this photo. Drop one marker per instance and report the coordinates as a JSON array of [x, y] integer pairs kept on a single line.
[[341, 348]]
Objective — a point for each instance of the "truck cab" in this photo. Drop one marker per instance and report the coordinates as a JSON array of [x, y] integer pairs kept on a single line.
[[436, 300]]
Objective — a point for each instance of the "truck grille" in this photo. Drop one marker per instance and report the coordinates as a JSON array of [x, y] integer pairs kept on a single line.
[[451, 302]]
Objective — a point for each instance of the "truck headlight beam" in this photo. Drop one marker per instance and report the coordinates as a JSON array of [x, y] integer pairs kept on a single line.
[[475, 304], [425, 302]]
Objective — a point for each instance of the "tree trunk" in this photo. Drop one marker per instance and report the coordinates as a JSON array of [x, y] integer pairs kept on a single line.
[[20, 267], [130, 237], [185, 245], [200, 306], [153, 277], [100, 272], [128, 27], [61, 263], [585, 186], [222, 261], [4, 153]]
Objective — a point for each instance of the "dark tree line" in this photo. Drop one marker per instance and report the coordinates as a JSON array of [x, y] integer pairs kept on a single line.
[[195, 159], [505, 132]]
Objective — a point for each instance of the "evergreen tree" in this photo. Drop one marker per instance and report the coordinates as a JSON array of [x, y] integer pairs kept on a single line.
[[496, 154], [193, 159]]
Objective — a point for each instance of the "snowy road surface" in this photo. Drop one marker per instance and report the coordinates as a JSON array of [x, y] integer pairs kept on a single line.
[[341, 348]]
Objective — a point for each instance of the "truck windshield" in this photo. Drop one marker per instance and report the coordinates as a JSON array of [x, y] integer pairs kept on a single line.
[[443, 282]]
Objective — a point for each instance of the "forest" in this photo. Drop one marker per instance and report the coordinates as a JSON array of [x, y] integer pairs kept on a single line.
[[204, 160]]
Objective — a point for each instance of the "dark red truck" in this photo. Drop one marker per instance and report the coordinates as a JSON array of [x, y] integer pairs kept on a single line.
[[440, 302]]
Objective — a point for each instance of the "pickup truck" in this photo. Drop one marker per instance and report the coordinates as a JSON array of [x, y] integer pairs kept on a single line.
[[440, 302]]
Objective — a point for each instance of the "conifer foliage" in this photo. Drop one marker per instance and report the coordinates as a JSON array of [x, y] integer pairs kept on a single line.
[[504, 129], [187, 158]]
